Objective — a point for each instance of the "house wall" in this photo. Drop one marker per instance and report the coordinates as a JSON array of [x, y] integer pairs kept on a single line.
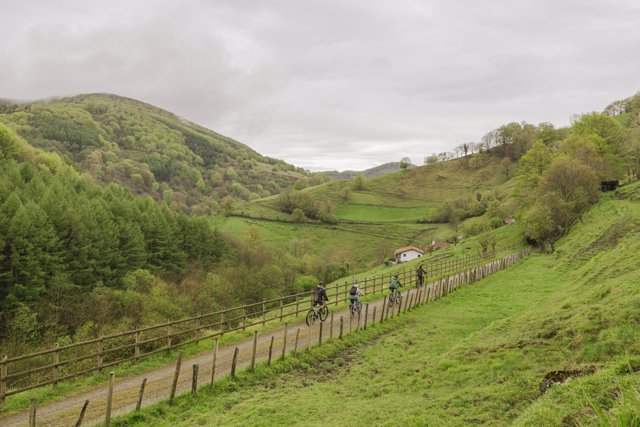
[[407, 256]]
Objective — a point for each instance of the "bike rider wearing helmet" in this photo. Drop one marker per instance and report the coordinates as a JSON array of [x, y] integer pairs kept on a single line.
[[394, 285], [354, 295], [319, 296]]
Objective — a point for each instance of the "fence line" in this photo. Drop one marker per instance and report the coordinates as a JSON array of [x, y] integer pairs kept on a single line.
[[412, 299], [29, 371]]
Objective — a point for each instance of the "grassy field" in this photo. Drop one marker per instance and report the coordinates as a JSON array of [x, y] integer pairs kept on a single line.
[[479, 355], [382, 216], [418, 191], [373, 213], [362, 241]]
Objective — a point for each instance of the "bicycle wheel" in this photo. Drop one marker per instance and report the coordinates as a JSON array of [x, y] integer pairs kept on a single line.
[[323, 313], [310, 318], [398, 298], [359, 308]]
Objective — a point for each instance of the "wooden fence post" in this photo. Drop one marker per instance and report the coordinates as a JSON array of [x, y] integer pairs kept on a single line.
[[3, 380], [366, 314], [331, 328], [176, 374], [281, 307], [100, 353], [358, 322], [213, 363], [295, 347], [264, 312], [320, 334], [169, 341], [82, 412], [244, 318], [373, 318], [198, 326], [194, 380], [32, 412], [384, 304], [56, 360], [137, 349], [284, 344], [141, 394], [270, 349], [253, 352], [235, 360], [107, 417], [341, 326]]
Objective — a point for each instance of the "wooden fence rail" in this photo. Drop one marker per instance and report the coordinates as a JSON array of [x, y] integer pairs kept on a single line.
[[38, 369]]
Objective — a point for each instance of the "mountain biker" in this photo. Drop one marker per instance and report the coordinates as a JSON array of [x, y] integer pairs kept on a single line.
[[319, 296], [419, 273], [354, 294], [394, 285]]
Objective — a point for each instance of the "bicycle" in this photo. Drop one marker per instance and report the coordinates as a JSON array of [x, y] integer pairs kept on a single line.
[[356, 307], [312, 315], [395, 297]]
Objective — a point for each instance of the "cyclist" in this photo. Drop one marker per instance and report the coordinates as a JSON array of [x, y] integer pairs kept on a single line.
[[393, 286], [419, 273], [319, 297], [354, 295]]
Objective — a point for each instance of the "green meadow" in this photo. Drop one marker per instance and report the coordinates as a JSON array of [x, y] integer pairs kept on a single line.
[[476, 356]]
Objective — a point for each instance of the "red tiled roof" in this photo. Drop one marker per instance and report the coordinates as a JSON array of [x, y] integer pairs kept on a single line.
[[408, 248], [440, 245]]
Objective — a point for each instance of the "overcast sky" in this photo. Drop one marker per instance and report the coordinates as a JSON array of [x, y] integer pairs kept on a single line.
[[331, 84]]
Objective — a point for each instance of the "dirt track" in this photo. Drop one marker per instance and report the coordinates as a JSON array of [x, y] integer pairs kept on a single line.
[[65, 412]]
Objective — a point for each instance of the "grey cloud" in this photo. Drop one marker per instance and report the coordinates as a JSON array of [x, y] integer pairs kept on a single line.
[[332, 84]]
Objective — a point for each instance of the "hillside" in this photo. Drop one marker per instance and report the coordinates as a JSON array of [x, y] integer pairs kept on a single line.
[[418, 199], [477, 356], [379, 170], [150, 151]]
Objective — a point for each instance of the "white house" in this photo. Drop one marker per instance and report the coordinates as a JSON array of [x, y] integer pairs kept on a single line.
[[408, 253]]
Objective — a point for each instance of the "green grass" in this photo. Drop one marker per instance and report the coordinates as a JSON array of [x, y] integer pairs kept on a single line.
[[361, 241], [478, 356], [373, 213]]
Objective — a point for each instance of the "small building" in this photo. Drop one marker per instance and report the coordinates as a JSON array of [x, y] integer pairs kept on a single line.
[[609, 185], [407, 253], [439, 245]]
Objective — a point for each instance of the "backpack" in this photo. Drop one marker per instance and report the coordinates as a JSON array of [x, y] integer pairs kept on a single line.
[[354, 291]]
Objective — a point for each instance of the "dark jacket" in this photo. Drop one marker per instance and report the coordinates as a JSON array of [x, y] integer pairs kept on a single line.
[[320, 295]]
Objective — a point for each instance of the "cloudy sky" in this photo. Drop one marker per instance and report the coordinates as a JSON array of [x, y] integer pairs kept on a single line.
[[331, 84]]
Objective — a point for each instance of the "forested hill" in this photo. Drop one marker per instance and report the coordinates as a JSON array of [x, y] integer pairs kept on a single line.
[[150, 151]]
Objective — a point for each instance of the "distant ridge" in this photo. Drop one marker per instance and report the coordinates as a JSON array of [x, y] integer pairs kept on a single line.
[[368, 173]]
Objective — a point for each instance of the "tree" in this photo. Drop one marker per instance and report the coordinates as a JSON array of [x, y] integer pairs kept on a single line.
[[358, 182], [603, 130], [507, 167], [298, 215], [534, 164], [405, 162], [8, 147], [431, 160], [565, 190]]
